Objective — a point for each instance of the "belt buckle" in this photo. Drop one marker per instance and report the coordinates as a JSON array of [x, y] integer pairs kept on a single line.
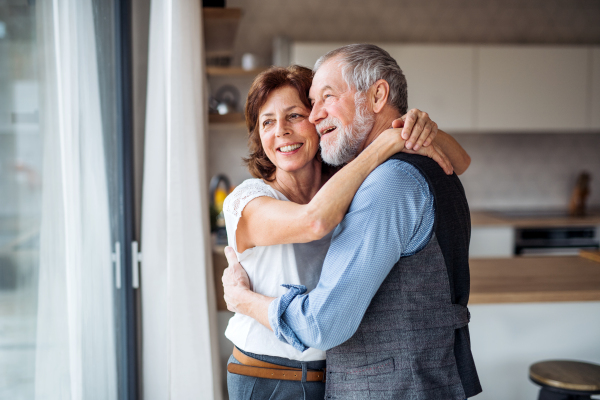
[[324, 374]]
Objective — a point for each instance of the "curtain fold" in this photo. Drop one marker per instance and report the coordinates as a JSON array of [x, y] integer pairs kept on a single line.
[[180, 343], [75, 353]]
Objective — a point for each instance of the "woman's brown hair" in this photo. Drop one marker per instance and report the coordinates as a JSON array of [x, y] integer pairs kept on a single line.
[[300, 78]]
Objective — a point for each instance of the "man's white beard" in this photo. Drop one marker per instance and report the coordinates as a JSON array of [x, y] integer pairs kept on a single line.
[[343, 147]]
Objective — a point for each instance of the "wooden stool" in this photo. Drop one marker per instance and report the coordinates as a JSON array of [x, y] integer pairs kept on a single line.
[[565, 380]]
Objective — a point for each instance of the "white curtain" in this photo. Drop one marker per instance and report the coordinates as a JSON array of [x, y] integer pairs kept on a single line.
[[180, 348], [75, 353]]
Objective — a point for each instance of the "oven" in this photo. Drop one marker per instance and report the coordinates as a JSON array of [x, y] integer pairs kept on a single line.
[[556, 240]]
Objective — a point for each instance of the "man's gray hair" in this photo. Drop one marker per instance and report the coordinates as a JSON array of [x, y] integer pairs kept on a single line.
[[364, 64]]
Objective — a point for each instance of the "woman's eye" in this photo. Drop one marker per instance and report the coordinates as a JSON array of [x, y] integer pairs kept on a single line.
[[267, 122]]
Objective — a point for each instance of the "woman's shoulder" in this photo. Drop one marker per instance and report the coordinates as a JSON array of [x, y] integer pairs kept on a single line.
[[244, 193]]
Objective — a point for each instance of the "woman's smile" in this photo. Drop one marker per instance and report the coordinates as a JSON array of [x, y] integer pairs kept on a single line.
[[290, 148]]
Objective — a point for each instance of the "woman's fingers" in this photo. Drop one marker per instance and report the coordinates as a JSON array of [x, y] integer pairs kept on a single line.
[[432, 135], [398, 123], [409, 122], [440, 157], [235, 274], [230, 255], [424, 135], [419, 130]]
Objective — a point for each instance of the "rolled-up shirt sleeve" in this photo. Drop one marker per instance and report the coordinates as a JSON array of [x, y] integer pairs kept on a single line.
[[391, 216]]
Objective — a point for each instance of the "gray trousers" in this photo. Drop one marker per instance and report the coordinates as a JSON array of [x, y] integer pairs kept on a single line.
[[242, 387]]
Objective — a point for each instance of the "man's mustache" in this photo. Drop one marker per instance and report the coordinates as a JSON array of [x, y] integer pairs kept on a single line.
[[324, 125]]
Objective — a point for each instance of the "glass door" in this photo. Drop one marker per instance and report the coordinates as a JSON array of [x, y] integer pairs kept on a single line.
[[67, 304]]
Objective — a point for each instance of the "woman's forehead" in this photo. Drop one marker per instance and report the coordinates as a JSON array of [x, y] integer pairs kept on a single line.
[[283, 98]]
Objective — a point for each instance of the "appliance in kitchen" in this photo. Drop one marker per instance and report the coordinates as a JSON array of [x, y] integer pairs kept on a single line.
[[539, 237]]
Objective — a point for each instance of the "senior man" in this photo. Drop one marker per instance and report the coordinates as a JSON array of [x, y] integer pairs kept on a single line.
[[390, 305]]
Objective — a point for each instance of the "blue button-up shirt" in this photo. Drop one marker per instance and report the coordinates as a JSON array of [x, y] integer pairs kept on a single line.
[[391, 216]]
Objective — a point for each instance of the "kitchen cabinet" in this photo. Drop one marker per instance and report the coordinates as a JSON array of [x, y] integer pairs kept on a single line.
[[467, 88], [440, 81], [532, 88], [492, 241], [307, 53], [440, 78], [595, 89]]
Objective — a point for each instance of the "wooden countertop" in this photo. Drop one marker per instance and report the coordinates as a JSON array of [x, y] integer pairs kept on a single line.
[[506, 280], [534, 279], [486, 218]]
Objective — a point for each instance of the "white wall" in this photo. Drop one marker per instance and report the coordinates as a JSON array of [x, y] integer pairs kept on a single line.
[[507, 170], [507, 338], [528, 170]]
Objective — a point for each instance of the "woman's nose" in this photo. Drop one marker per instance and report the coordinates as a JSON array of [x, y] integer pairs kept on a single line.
[[282, 129]]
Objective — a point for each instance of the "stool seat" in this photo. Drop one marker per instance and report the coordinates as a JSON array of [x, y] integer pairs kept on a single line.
[[569, 375]]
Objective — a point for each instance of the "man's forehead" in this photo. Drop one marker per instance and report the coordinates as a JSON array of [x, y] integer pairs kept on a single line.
[[329, 76]]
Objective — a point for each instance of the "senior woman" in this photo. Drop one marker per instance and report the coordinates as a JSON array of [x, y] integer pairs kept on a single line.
[[283, 219]]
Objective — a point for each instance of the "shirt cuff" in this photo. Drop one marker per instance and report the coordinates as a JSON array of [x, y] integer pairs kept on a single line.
[[277, 308]]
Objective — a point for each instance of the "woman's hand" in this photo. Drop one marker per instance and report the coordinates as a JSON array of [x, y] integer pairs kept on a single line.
[[392, 143], [238, 295], [235, 281], [417, 129]]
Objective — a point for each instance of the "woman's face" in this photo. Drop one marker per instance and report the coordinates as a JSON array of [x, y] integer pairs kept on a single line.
[[288, 138]]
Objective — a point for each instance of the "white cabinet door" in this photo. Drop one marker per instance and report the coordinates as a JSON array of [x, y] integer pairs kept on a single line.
[[493, 241], [595, 103], [532, 88], [440, 81], [307, 53], [440, 78]]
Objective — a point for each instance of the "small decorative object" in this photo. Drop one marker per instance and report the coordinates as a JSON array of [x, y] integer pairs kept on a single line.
[[227, 98], [217, 197], [580, 195], [249, 61]]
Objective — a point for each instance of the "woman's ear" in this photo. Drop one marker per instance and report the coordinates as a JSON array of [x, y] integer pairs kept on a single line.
[[380, 91]]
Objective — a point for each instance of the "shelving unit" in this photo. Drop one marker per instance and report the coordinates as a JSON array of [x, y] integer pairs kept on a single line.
[[232, 71], [236, 119], [220, 29]]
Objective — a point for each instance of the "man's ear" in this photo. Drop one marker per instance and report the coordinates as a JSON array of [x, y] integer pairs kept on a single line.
[[379, 93]]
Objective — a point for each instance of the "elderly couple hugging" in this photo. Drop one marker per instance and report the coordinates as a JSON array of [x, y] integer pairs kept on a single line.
[[354, 275]]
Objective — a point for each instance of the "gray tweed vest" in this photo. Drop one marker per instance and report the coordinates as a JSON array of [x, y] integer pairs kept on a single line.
[[413, 342]]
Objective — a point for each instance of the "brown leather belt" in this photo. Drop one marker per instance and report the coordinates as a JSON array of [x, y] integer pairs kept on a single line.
[[252, 367]]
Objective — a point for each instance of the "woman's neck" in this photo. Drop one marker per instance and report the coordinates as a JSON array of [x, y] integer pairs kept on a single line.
[[299, 186]]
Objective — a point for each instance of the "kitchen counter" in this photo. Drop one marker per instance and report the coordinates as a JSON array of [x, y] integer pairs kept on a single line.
[[488, 218], [534, 279]]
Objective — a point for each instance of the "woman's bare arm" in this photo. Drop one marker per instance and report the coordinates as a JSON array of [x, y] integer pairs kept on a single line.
[[266, 221], [459, 158]]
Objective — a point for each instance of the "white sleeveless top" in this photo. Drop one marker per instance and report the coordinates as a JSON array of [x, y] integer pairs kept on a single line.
[[269, 267]]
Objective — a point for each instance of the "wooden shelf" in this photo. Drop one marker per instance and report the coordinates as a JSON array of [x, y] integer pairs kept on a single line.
[[231, 118], [221, 13], [232, 71]]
